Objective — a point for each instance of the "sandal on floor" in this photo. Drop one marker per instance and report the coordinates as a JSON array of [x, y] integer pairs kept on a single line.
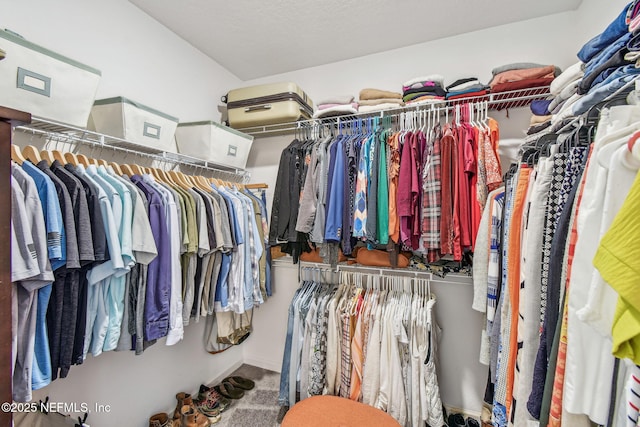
[[240, 382], [228, 390]]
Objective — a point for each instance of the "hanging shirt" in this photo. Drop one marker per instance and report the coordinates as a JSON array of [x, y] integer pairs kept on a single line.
[[394, 171], [56, 240], [25, 196], [176, 328], [157, 298], [333, 230], [431, 196], [382, 216], [360, 204]]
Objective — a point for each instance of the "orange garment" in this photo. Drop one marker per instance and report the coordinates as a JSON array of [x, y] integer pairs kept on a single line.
[[394, 173], [555, 411], [357, 354], [513, 273], [525, 74]]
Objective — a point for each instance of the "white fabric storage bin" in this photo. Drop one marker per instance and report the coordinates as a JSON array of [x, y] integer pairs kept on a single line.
[[135, 122], [214, 142], [44, 83]]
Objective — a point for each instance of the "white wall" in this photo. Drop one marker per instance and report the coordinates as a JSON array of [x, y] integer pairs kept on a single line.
[[553, 39], [142, 60], [139, 58]]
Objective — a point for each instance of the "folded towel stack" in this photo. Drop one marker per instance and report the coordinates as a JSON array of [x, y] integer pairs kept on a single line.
[[424, 89], [465, 88], [522, 76], [376, 100], [336, 106]]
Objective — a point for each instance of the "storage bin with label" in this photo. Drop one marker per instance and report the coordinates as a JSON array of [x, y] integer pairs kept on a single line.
[[135, 122], [44, 83], [214, 142]]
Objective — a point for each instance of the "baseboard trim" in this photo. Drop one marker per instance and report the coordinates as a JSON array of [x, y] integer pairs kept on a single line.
[[264, 364], [227, 372]]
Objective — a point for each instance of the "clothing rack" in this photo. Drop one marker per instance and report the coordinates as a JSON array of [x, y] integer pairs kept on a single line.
[[56, 132], [495, 101], [384, 272]]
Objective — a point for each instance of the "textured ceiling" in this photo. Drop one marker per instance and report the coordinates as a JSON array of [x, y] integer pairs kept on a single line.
[[253, 38]]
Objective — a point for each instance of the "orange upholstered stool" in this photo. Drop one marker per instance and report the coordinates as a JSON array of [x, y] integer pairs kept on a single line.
[[332, 411]]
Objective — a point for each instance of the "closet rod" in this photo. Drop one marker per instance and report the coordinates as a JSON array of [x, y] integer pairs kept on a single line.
[[499, 100], [69, 134], [450, 278]]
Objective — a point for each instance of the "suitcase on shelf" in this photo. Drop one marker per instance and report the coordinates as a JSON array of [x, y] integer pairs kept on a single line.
[[269, 104]]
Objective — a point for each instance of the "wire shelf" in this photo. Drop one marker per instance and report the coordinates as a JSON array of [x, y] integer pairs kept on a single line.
[[496, 101], [59, 131]]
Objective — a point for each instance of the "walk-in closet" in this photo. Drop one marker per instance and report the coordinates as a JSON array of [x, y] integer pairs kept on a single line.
[[320, 213]]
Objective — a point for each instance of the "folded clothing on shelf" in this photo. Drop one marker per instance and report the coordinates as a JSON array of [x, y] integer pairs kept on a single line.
[[373, 94], [340, 99], [326, 106], [467, 91], [521, 66], [397, 101], [476, 93], [420, 89], [378, 107], [435, 78], [521, 84], [567, 77], [540, 107], [339, 110], [336, 106], [510, 76]]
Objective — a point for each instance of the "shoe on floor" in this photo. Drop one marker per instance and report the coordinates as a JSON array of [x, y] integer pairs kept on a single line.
[[240, 382], [229, 391], [210, 393], [472, 422], [192, 418], [160, 420], [456, 420]]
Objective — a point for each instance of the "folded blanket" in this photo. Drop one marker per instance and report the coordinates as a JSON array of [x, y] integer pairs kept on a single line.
[[326, 106], [340, 99], [465, 87], [540, 107], [520, 66], [420, 85], [397, 101], [340, 110], [462, 83], [517, 75], [536, 120], [383, 106], [377, 94], [432, 90], [427, 99], [571, 74], [412, 96], [470, 89], [436, 78], [522, 84], [468, 94]]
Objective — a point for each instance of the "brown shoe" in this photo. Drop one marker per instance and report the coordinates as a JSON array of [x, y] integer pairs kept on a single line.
[[193, 418], [183, 399], [160, 420]]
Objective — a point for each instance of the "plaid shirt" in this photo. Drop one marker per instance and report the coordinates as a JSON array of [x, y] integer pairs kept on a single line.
[[431, 197]]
